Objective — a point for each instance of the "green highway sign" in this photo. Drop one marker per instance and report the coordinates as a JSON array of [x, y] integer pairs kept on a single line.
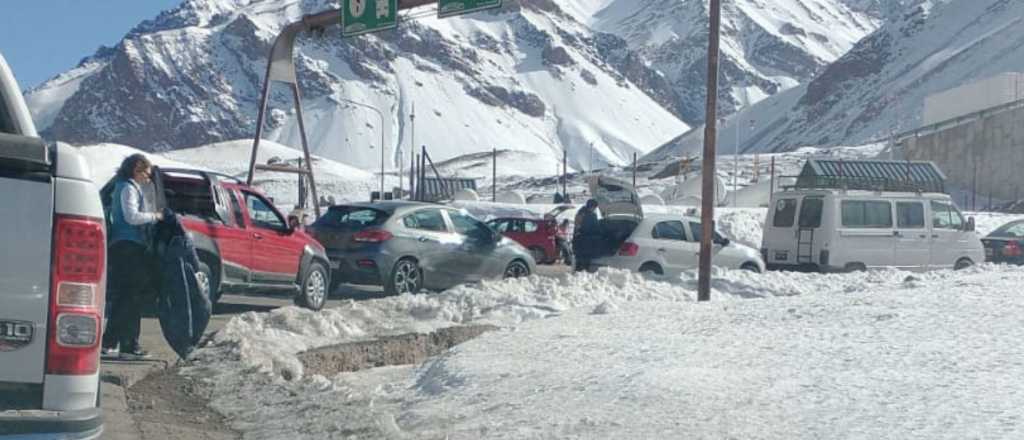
[[448, 8], [363, 16]]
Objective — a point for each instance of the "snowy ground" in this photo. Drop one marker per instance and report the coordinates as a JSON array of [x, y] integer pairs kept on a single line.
[[613, 355]]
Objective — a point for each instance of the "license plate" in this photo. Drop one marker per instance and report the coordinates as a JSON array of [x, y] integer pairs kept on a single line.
[[782, 255], [14, 334]]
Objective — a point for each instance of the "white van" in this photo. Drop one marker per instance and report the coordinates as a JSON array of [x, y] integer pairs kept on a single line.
[[847, 230]]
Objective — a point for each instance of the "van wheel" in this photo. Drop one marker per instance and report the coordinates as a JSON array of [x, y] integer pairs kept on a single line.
[[313, 290], [855, 267], [208, 282], [748, 266], [406, 277], [963, 263], [651, 269]]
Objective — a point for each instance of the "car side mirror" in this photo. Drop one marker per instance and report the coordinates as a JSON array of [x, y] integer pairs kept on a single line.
[[970, 226]]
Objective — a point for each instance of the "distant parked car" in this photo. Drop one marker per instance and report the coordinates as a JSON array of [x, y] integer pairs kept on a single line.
[[409, 246], [1006, 244], [660, 244], [545, 239]]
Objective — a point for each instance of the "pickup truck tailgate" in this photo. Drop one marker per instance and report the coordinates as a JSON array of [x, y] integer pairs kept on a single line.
[[26, 208]]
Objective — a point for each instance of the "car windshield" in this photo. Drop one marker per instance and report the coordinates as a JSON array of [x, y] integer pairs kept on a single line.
[[352, 217]]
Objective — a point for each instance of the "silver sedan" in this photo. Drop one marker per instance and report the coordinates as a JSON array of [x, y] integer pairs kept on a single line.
[[409, 246]]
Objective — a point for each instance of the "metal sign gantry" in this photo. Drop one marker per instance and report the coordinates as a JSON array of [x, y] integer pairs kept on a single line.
[[281, 66]]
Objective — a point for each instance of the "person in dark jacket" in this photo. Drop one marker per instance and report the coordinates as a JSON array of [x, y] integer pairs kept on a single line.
[[130, 268], [587, 235]]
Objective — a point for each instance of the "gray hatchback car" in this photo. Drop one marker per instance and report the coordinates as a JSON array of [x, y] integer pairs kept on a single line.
[[409, 246]]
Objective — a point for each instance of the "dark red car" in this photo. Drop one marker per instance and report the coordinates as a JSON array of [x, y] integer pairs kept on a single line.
[[244, 243], [547, 239]]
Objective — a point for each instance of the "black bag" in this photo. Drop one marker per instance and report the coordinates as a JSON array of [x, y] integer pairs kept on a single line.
[[184, 310]]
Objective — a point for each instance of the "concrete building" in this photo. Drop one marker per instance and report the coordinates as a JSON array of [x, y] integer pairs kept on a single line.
[[983, 153], [974, 97]]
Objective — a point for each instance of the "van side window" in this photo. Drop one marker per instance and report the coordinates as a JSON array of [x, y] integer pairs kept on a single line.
[[669, 231], [810, 212], [866, 214], [945, 216], [785, 213], [910, 215]]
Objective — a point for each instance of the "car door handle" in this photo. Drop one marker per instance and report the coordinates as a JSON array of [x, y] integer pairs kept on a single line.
[[662, 250], [922, 236], [935, 235], [427, 240]]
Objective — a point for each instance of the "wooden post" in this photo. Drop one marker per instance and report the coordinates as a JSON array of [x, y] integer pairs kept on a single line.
[[708, 170], [771, 184]]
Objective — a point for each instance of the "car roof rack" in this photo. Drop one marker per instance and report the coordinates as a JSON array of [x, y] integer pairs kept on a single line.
[[871, 175]]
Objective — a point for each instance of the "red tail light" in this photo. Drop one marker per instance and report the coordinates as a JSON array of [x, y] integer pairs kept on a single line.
[[1012, 249], [76, 296], [629, 249], [372, 236]]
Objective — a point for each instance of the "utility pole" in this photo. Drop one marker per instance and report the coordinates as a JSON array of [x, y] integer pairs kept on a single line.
[[634, 170], [736, 162], [708, 171], [494, 177], [412, 145], [565, 174]]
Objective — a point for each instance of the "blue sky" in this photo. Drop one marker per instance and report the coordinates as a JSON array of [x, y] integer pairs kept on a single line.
[[42, 38]]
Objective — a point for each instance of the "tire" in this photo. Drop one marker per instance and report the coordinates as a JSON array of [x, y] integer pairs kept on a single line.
[[405, 277], [650, 269], [208, 282], [517, 269], [538, 254], [748, 266], [313, 289], [963, 263]]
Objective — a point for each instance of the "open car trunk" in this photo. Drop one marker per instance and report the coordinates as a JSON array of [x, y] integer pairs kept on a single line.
[[615, 232], [620, 208]]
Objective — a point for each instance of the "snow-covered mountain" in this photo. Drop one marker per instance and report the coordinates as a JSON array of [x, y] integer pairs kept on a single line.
[[879, 86], [767, 46], [528, 77]]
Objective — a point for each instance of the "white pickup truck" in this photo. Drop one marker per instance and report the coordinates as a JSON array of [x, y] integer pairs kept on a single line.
[[52, 281]]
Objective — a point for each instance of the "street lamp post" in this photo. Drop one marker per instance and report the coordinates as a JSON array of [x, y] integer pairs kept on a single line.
[[381, 116]]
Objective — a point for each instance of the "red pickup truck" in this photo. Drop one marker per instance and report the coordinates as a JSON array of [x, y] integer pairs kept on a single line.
[[244, 243]]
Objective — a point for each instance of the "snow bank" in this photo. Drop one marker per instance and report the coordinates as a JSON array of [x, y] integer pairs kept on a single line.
[[261, 386]]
